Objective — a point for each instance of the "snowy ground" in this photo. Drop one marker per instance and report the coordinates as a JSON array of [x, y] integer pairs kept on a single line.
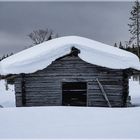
[[7, 97], [68, 122], [134, 89]]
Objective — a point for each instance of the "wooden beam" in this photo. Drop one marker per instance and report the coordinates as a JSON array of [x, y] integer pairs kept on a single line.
[[103, 92], [23, 89], [125, 88]]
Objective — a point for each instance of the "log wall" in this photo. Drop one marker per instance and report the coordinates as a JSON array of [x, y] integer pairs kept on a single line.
[[44, 87]]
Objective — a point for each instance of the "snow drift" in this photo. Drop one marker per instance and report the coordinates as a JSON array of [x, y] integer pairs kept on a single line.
[[7, 97], [42, 55], [69, 122]]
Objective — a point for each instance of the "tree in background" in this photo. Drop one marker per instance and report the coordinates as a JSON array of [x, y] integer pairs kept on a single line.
[[134, 26], [39, 36], [5, 56], [120, 45], [115, 45]]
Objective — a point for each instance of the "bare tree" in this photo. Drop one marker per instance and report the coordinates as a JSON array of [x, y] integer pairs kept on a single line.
[[39, 36]]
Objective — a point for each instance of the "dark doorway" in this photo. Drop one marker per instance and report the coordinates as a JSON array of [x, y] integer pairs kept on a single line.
[[74, 94]]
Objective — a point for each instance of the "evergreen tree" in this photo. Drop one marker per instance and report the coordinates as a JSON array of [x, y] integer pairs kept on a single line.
[[115, 45], [134, 26], [133, 46], [120, 45], [5, 56]]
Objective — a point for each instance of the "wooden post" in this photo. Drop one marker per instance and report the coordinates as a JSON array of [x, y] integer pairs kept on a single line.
[[23, 89], [103, 92], [125, 87]]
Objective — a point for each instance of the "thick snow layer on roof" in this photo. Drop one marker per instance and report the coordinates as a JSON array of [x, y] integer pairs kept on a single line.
[[42, 55]]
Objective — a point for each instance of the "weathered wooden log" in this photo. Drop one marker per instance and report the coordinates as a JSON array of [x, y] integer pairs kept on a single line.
[[23, 90], [44, 87]]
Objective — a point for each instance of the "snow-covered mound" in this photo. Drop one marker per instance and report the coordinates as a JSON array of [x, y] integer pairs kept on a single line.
[[40, 56], [69, 122], [7, 96], [134, 91]]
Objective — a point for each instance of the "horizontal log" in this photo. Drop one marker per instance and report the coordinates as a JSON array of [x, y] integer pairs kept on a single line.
[[74, 63], [89, 78], [106, 87], [45, 103], [105, 105], [101, 95], [45, 100], [35, 84], [77, 73], [59, 90], [42, 86], [58, 84], [79, 70], [108, 93], [107, 82], [55, 79], [99, 103], [45, 96], [93, 90], [40, 89], [98, 90], [41, 104], [102, 99]]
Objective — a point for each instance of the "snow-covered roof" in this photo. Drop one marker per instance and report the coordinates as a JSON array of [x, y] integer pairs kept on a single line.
[[42, 55]]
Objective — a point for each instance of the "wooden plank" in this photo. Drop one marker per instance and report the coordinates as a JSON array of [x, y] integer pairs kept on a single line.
[[23, 90], [115, 91], [104, 93], [72, 75], [125, 88], [116, 103], [51, 80], [108, 94], [58, 88], [102, 100], [58, 85]]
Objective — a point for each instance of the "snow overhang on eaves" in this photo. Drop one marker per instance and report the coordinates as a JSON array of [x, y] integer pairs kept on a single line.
[[40, 56]]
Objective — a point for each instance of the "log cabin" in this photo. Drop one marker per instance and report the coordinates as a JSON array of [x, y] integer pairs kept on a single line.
[[71, 71]]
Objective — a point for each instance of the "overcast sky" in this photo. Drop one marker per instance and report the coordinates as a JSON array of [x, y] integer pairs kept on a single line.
[[102, 21]]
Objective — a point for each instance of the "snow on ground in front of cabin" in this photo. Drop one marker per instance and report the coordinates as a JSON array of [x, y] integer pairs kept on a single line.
[[134, 91], [69, 122], [7, 97]]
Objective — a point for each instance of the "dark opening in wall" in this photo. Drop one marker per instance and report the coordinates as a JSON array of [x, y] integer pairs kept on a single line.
[[74, 93]]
